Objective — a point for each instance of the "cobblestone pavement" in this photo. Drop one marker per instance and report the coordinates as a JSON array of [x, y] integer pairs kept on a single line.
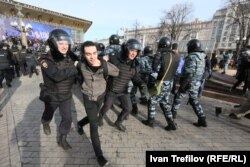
[[23, 143]]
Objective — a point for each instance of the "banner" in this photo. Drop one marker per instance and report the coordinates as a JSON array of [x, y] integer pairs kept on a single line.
[[39, 30]]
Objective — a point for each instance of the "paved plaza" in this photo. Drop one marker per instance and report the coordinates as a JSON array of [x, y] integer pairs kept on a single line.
[[23, 143]]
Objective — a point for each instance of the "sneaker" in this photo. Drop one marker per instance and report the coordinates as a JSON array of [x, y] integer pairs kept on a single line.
[[119, 126], [79, 129], [102, 161], [46, 129]]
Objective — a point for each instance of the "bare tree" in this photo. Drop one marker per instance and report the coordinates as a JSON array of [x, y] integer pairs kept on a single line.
[[173, 21], [240, 15]]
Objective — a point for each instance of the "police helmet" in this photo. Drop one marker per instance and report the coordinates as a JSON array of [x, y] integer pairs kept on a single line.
[[100, 47], [133, 44], [4, 45], [58, 35], [148, 50], [114, 40], [29, 50], [164, 43], [194, 45]]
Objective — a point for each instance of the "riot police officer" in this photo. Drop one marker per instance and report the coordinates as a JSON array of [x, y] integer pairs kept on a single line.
[[101, 50], [17, 59], [6, 64], [165, 65], [31, 62], [114, 45], [23, 64], [145, 63], [58, 71], [191, 79], [118, 86]]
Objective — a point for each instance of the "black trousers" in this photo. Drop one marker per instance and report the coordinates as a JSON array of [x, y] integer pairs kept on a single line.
[[65, 112], [92, 109], [125, 104], [6, 73]]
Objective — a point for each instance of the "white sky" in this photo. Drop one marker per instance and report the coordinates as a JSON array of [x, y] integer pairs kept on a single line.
[[109, 17]]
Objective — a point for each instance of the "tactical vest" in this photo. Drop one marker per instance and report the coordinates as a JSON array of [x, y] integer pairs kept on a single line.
[[59, 91], [4, 62]]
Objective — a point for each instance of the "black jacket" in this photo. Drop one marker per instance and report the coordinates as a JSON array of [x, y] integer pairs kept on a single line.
[[58, 77]]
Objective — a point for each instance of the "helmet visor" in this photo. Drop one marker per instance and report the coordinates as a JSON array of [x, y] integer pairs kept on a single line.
[[134, 47], [63, 38]]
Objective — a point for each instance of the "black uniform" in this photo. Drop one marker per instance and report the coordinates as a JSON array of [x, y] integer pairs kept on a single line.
[[58, 73], [6, 65], [56, 90], [31, 62], [17, 60]]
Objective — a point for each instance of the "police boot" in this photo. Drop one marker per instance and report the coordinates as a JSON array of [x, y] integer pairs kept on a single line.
[[46, 129], [134, 110], [63, 142], [201, 122], [149, 122], [1, 86], [171, 125], [143, 100]]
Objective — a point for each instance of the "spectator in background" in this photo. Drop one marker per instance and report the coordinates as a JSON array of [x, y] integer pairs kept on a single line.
[[214, 61], [226, 59]]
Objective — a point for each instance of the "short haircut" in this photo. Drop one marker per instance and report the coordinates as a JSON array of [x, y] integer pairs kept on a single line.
[[174, 46], [87, 44]]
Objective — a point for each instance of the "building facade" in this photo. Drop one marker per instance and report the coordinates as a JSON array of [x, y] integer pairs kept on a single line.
[[41, 21]]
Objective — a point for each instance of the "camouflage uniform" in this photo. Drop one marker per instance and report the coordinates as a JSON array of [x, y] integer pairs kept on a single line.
[[112, 50], [190, 83], [164, 67], [163, 97]]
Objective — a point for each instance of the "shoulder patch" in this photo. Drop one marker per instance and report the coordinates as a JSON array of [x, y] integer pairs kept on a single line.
[[44, 64]]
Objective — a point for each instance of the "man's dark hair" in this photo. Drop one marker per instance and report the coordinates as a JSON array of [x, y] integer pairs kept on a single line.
[[174, 46], [87, 44]]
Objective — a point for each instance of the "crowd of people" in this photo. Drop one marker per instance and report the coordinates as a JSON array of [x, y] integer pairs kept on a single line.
[[16, 60], [114, 73], [111, 75]]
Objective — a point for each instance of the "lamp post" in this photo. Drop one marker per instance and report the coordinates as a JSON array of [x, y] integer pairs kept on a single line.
[[22, 28], [240, 42]]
